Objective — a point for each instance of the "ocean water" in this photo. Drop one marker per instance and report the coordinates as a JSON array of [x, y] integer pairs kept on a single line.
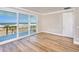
[[12, 36]]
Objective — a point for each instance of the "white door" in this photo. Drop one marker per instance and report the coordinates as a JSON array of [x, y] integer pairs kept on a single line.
[[68, 22]]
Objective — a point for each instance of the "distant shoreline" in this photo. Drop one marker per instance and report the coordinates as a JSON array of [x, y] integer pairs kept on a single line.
[[15, 23]]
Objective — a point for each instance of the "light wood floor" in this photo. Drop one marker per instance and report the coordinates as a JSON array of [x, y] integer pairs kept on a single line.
[[40, 43]]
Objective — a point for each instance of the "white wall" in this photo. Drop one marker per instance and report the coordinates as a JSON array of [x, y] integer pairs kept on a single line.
[[76, 13], [68, 24], [51, 23], [39, 23]]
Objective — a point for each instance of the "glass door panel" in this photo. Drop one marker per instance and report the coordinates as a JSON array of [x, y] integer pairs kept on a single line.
[[7, 25], [23, 25], [33, 24], [33, 28]]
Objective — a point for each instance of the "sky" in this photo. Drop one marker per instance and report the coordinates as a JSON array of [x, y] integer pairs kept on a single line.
[[9, 17]]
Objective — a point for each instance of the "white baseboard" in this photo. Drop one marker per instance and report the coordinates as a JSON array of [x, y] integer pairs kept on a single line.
[[75, 42], [60, 34], [51, 33], [57, 34]]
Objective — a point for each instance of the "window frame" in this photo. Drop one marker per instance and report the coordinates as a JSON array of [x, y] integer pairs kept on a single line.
[[17, 19]]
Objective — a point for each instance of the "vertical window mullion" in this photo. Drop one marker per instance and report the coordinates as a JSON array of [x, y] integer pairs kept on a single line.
[[37, 24], [29, 25], [17, 25]]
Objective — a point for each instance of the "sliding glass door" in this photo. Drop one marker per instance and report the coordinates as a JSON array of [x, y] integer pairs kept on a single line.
[[7, 25], [15, 25], [23, 24], [33, 24]]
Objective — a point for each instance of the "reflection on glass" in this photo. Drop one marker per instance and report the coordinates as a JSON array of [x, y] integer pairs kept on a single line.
[[23, 24], [33, 28], [7, 25], [33, 24]]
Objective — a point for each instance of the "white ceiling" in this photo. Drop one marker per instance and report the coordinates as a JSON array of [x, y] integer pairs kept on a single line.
[[44, 9]]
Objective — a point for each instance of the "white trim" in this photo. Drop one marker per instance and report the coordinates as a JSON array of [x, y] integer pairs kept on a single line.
[[29, 26], [67, 36], [9, 9], [75, 42], [17, 25], [52, 33], [30, 12], [60, 34], [61, 11], [37, 25], [27, 10], [19, 10]]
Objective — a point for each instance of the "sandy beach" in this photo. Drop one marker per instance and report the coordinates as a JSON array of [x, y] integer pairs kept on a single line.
[[22, 28], [3, 31]]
